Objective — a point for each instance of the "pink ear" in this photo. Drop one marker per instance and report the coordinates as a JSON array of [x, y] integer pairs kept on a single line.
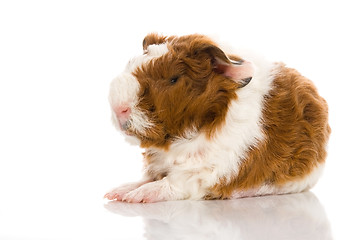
[[241, 72]]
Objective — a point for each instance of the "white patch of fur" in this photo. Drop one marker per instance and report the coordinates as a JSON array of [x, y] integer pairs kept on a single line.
[[195, 163], [157, 50], [124, 89], [123, 92]]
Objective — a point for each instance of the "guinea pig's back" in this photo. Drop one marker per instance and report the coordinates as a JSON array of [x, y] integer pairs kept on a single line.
[[291, 156]]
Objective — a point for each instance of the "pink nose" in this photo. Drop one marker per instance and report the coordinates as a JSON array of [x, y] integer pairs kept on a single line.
[[122, 112]]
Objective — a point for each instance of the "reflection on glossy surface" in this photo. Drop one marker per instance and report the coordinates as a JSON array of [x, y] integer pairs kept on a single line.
[[294, 216]]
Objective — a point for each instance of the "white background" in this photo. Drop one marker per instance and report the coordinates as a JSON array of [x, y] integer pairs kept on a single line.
[[59, 153]]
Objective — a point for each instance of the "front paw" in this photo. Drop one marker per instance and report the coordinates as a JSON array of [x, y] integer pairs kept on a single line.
[[151, 192], [119, 192]]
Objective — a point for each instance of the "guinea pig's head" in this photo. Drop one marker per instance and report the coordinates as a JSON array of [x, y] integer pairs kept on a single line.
[[180, 85]]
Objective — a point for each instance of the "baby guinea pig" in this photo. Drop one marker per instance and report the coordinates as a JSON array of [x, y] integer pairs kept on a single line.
[[216, 125]]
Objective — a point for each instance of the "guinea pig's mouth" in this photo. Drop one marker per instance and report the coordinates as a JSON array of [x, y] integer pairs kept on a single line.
[[126, 128], [136, 124]]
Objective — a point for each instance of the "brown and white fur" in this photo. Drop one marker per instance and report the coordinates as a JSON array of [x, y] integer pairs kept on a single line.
[[215, 125]]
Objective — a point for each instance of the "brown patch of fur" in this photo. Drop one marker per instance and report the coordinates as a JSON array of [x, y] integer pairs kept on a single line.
[[198, 100], [295, 125]]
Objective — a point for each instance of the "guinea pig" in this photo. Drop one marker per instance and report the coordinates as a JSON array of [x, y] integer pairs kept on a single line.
[[217, 125]]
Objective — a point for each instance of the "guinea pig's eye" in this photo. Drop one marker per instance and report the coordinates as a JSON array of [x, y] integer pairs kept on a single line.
[[173, 80], [152, 109]]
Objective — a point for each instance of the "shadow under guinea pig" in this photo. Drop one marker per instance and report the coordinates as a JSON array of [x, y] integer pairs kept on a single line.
[[293, 216]]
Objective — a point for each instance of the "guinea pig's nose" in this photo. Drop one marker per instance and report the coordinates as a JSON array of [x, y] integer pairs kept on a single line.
[[122, 112]]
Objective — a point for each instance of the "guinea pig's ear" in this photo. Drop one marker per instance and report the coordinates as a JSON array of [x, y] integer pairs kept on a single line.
[[240, 70], [153, 38]]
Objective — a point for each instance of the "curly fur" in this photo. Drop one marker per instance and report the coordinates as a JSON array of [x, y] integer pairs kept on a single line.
[[209, 133]]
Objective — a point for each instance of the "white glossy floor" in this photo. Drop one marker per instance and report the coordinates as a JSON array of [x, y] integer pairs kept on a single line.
[[297, 216], [77, 214], [59, 153]]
